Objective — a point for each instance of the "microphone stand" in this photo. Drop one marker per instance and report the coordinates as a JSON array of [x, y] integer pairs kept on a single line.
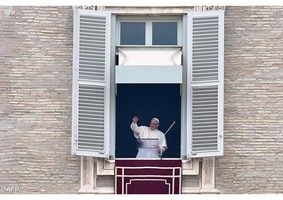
[[161, 149]]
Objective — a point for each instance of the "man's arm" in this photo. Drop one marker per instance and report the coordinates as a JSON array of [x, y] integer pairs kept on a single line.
[[162, 144], [134, 126]]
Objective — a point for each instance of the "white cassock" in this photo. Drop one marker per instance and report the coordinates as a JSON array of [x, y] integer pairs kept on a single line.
[[149, 140]]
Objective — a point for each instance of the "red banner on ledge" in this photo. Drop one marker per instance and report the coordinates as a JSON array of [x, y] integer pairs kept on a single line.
[[148, 176]]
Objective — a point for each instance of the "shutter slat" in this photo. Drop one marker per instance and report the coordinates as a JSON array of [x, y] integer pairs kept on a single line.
[[92, 35], [91, 97], [205, 36], [199, 108]]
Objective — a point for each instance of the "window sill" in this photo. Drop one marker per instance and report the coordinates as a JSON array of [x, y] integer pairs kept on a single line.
[[106, 167]]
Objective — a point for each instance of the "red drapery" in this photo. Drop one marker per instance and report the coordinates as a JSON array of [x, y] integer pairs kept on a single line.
[[148, 176]]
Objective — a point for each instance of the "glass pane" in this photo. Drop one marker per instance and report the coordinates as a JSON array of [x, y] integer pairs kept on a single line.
[[132, 33], [164, 33]]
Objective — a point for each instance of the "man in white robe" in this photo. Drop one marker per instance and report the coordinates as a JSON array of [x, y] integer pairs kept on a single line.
[[152, 141]]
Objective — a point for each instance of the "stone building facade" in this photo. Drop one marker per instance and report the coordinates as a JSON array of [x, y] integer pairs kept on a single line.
[[36, 104]]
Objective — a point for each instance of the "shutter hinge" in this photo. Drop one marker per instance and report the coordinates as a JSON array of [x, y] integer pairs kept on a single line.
[[102, 151]]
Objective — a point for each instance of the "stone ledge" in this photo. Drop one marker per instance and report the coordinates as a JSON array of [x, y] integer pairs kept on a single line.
[[100, 190], [197, 190]]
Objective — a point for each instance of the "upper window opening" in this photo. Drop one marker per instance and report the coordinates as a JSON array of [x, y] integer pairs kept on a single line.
[[149, 32]]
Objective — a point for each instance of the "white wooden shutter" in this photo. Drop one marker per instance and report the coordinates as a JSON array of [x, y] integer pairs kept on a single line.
[[205, 83], [91, 80]]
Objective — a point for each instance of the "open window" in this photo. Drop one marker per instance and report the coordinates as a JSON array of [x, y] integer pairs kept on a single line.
[[194, 64], [147, 101]]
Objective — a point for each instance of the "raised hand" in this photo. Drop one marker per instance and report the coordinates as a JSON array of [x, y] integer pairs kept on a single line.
[[135, 119]]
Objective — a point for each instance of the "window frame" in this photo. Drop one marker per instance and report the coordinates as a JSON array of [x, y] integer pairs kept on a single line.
[[148, 29], [184, 42]]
